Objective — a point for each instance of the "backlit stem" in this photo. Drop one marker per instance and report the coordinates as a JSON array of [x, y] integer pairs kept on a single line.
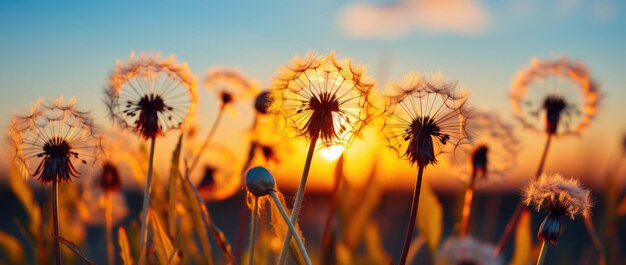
[[467, 206], [208, 138], [298, 202], [414, 207], [292, 228], [55, 220], [253, 231], [543, 253], [520, 207], [108, 223], [146, 205]]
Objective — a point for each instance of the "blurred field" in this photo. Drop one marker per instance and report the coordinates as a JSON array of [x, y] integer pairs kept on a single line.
[[574, 245]]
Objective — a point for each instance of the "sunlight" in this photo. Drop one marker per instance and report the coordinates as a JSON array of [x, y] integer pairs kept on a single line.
[[332, 152]]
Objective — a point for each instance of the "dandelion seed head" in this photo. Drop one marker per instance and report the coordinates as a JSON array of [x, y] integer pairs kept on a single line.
[[425, 118], [457, 251], [559, 196], [259, 181], [323, 98], [492, 150], [150, 94], [56, 137], [230, 85], [557, 97], [110, 178], [216, 178]]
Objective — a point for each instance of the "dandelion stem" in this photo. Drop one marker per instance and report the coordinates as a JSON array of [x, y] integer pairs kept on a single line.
[[298, 202], [331, 207], [504, 240], [543, 253], [253, 231], [292, 228], [146, 205], [108, 220], [414, 206], [208, 138], [55, 219], [543, 156], [467, 206]]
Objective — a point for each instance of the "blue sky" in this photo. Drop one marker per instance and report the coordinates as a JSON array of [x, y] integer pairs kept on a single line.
[[53, 48]]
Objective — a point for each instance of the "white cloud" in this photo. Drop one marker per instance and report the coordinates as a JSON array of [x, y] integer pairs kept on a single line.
[[464, 17]]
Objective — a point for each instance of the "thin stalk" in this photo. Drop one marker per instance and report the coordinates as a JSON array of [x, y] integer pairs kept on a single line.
[[520, 207], [543, 253], [253, 231], [208, 138], [414, 206], [298, 202], [55, 220], [331, 207], [543, 156], [146, 205], [467, 206], [108, 223], [292, 228]]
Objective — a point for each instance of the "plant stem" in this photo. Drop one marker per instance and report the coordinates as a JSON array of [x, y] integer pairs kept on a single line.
[[543, 253], [543, 157], [414, 206], [108, 220], [208, 138], [331, 206], [55, 220], [292, 228], [467, 206], [298, 202], [520, 207], [146, 205], [253, 231]]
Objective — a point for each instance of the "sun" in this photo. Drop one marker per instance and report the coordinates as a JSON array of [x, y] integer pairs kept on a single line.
[[332, 152]]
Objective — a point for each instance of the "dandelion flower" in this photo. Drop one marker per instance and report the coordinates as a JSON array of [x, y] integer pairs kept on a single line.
[[52, 140], [230, 85], [49, 142], [218, 180], [559, 197], [425, 118], [492, 148], [150, 95], [466, 251], [322, 97], [558, 97]]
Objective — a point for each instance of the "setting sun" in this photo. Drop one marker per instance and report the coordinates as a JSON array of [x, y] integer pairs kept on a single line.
[[332, 152]]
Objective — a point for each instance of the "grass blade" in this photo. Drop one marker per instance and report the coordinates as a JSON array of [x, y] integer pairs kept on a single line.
[[122, 238]]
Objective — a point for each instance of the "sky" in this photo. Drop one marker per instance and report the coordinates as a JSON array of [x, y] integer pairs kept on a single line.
[[69, 48]]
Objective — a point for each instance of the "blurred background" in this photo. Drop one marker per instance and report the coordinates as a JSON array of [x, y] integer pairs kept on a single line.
[[69, 48]]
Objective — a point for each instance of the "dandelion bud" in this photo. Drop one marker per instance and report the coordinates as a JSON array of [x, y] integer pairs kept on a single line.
[[259, 181], [110, 178], [479, 161], [550, 229], [262, 102]]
